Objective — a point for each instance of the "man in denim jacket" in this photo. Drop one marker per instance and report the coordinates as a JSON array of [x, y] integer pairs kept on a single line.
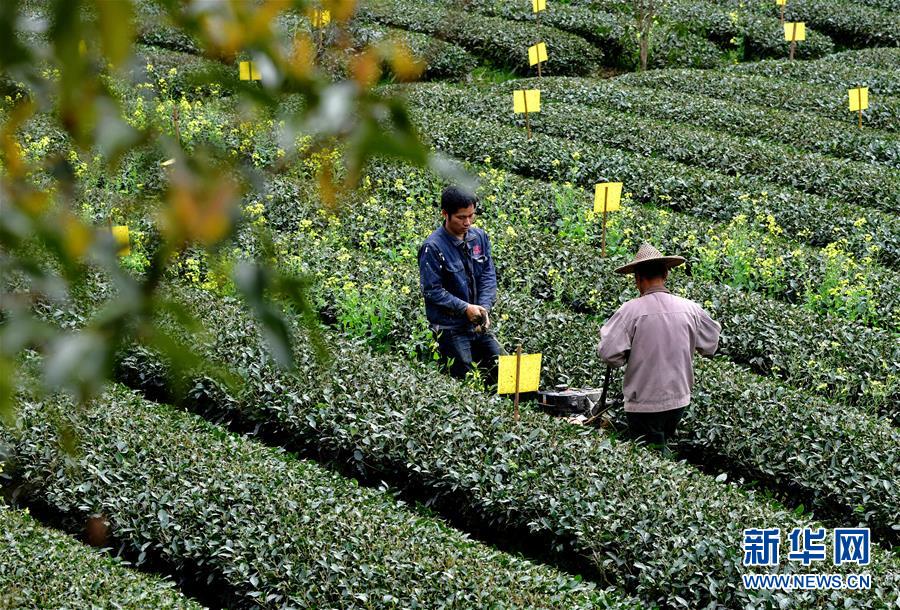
[[459, 284]]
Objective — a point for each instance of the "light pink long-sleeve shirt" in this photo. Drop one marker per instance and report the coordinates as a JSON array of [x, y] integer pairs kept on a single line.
[[657, 334]]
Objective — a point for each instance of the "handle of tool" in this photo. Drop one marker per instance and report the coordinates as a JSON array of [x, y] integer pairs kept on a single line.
[[605, 390]]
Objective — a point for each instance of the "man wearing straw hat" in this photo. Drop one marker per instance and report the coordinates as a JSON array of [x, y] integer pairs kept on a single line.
[[656, 335]]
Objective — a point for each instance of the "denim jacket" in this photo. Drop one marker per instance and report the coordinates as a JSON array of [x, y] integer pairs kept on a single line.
[[454, 273]]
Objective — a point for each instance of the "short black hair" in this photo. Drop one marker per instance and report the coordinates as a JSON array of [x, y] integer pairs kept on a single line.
[[454, 198], [652, 270]]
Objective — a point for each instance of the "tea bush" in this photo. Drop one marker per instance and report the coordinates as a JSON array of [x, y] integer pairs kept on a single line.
[[826, 100], [809, 218], [576, 486], [832, 136], [856, 183], [502, 42], [43, 568], [278, 530], [672, 47], [874, 68]]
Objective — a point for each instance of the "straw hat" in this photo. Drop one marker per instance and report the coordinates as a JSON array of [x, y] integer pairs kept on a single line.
[[648, 254]]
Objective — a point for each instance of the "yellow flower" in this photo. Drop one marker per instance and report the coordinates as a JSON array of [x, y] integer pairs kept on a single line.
[[405, 289]]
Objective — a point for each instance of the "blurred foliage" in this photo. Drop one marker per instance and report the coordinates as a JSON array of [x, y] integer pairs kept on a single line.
[[67, 59]]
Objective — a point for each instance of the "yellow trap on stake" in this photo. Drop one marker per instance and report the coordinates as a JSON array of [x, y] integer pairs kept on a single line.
[[123, 241], [859, 98], [526, 100], [795, 31], [529, 374], [537, 53], [607, 197], [248, 71]]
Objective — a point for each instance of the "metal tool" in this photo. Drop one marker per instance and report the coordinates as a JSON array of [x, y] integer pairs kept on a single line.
[[579, 405]]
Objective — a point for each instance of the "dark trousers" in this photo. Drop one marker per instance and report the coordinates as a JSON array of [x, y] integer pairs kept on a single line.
[[655, 429], [463, 349]]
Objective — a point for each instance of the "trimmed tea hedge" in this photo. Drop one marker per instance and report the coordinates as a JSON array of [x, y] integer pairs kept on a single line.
[[831, 356], [891, 5], [280, 531], [152, 28], [43, 568], [185, 74], [576, 486], [874, 68], [855, 183], [815, 220], [848, 23], [832, 137], [672, 47], [825, 100], [502, 42], [752, 36], [443, 59], [747, 34]]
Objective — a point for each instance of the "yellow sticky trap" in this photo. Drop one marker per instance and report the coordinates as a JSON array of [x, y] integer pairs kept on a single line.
[[793, 36], [537, 53], [529, 374], [780, 2], [611, 193], [120, 234], [859, 98], [319, 17], [526, 100], [538, 5], [249, 71]]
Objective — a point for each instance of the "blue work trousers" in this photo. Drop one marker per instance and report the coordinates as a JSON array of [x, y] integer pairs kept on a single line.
[[465, 348]]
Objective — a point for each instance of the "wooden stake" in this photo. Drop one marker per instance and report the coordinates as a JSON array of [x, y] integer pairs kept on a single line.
[[527, 122], [518, 365], [603, 238], [793, 41], [781, 19], [539, 68], [859, 100]]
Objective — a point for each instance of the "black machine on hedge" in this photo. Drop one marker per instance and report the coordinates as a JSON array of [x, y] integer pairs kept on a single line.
[[587, 406]]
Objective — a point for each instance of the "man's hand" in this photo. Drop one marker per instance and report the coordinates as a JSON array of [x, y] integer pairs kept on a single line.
[[476, 314], [484, 324]]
